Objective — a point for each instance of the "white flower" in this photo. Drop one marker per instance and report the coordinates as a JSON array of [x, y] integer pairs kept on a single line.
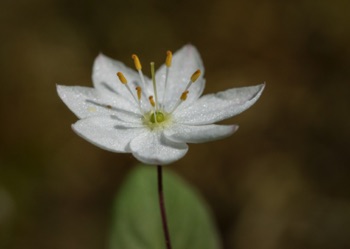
[[154, 125]]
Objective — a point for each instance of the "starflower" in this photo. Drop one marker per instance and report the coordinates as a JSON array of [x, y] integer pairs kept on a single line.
[[155, 118]]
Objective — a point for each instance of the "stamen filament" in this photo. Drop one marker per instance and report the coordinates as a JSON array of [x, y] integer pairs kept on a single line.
[[127, 87], [138, 67], [168, 62], [184, 94], [124, 81], [139, 95], [154, 85]]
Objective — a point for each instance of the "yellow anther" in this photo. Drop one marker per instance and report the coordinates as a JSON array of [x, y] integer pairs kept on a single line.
[[195, 75], [184, 95], [136, 62], [139, 92], [169, 57], [122, 78], [151, 100]]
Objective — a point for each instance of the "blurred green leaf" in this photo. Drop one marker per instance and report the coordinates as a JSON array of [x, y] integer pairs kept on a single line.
[[137, 222]]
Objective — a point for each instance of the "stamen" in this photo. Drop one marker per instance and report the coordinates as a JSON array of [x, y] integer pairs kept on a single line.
[[137, 62], [184, 95], [122, 78], [154, 85], [169, 57], [125, 83], [195, 75], [151, 101], [138, 68], [182, 98], [168, 61], [153, 104], [139, 92]]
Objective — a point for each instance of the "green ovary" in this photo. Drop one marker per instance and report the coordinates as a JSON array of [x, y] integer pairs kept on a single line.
[[157, 117]]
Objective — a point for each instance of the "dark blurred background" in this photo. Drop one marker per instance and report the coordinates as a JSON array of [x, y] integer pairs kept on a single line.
[[280, 182]]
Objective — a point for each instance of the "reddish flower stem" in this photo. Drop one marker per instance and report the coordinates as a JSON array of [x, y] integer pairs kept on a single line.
[[162, 207]]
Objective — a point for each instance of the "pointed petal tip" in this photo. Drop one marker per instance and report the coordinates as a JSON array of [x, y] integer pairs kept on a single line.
[[262, 86], [189, 46], [234, 128], [260, 90], [60, 89], [74, 127], [100, 57]]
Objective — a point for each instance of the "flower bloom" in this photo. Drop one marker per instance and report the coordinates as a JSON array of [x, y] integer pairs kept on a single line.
[[155, 118]]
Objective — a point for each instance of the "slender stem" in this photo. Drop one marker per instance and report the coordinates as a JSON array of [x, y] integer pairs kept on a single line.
[[162, 207]]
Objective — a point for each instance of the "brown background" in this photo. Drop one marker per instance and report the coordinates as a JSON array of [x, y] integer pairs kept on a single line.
[[282, 181]]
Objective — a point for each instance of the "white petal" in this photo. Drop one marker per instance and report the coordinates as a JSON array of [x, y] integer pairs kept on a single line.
[[108, 133], [153, 148], [212, 108], [185, 62], [199, 133], [87, 102], [105, 79]]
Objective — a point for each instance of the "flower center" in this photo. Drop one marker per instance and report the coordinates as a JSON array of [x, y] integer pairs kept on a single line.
[[157, 117], [155, 120]]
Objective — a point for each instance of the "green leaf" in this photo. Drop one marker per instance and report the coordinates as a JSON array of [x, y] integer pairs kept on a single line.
[[137, 222]]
